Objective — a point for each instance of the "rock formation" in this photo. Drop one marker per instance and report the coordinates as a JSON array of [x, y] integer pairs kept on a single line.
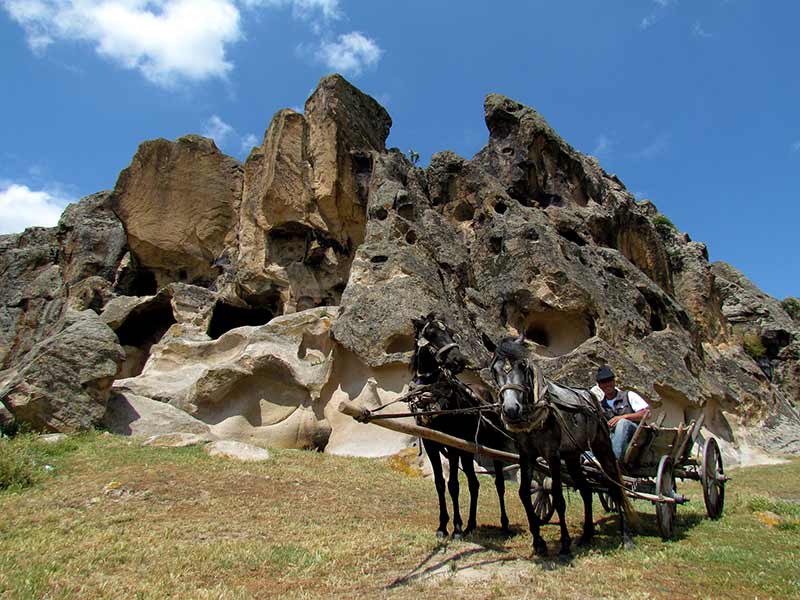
[[249, 300]]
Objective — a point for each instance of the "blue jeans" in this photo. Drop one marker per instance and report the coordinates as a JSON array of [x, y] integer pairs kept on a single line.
[[621, 436]]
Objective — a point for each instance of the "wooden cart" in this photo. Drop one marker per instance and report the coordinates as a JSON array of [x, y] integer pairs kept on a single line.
[[656, 457]]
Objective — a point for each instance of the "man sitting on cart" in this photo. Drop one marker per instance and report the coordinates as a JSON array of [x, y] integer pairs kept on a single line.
[[623, 410]]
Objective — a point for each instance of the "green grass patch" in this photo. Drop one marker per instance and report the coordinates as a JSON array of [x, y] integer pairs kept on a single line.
[[117, 520], [26, 460], [664, 221]]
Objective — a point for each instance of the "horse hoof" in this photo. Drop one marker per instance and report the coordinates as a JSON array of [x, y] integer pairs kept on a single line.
[[457, 535], [584, 541], [565, 555], [540, 549], [441, 534], [628, 545]]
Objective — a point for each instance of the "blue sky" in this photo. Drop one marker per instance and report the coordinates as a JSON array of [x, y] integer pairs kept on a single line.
[[692, 103]]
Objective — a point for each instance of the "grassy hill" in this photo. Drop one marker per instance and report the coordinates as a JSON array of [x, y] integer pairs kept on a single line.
[[103, 517]]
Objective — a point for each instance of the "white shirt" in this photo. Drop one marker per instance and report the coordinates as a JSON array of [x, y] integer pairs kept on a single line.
[[637, 402]]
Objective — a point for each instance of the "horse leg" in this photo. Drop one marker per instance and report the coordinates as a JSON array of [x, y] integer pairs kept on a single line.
[[554, 461], [500, 486], [452, 486], [526, 477], [574, 467], [433, 450], [468, 464]]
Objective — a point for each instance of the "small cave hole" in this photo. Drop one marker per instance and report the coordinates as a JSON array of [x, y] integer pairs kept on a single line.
[[406, 211], [144, 326], [314, 346], [555, 333], [136, 282], [532, 234], [464, 212], [615, 271], [500, 207], [538, 334], [508, 151], [379, 259], [496, 244], [411, 237], [572, 236], [381, 213], [400, 343], [658, 320], [229, 316]]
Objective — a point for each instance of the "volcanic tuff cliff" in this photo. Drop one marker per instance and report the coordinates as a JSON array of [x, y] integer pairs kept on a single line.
[[246, 301]]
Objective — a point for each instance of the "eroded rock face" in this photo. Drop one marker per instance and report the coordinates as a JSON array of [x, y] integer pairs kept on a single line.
[[254, 300], [304, 200], [178, 201], [62, 383]]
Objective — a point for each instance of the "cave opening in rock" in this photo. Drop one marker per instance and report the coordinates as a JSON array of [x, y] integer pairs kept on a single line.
[[658, 312], [572, 235], [554, 332], [144, 327], [136, 282], [229, 316], [400, 343]]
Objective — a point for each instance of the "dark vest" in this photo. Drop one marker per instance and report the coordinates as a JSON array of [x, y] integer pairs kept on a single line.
[[619, 407]]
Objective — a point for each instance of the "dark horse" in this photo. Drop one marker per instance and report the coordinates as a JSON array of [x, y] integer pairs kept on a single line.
[[555, 422], [436, 361]]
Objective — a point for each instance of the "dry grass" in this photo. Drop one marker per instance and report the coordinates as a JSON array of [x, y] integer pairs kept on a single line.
[[115, 520]]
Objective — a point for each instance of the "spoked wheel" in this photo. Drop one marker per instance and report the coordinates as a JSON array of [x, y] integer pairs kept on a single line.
[[665, 486], [608, 504], [542, 499], [712, 477]]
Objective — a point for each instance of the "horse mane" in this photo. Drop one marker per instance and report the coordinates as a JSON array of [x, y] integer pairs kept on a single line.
[[510, 347]]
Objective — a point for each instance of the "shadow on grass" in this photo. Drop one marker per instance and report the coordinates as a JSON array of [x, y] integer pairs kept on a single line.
[[488, 539], [607, 528]]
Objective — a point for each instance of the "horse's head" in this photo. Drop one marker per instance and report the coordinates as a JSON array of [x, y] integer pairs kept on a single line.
[[513, 377], [436, 347]]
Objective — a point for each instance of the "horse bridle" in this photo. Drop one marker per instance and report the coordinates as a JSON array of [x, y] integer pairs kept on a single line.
[[439, 354], [526, 389]]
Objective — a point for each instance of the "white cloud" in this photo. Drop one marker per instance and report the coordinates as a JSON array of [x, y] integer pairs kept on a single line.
[[167, 40], [350, 54], [248, 141], [658, 146], [602, 146], [227, 138], [648, 21], [796, 146], [22, 207], [302, 9], [655, 16], [171, 41], [699, 32], [217, 129]]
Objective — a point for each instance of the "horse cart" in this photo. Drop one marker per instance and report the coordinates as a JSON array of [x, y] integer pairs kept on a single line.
[[655, 459]]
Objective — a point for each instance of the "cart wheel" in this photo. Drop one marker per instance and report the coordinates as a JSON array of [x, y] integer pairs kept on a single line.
[[542, 500], [712, 477], [665, 486], [607, 503]]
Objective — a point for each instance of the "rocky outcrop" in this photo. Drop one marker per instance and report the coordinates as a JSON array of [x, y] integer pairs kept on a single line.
[[62, 383], [252, 300], [178, 202], [304, 200]]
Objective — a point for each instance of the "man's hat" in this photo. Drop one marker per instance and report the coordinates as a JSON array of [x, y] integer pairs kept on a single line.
[[604, 373]]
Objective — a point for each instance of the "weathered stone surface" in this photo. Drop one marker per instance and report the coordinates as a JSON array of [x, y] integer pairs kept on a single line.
[[253, 383], [178, 202], [304, 200], [312, 260], [62, 384], [92, 241], [32, 296], [237, 450], [176, 440]]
